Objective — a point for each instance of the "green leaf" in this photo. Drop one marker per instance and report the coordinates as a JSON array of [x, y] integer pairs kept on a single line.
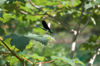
[[41, 39], [12, 60], [36, 57], [19, 42], [78, 61], [65, 59], [29, 45], [7, 42], [39, 30], [99, 38], [70, 61], [49, 37], [89, 5], [93, 38]]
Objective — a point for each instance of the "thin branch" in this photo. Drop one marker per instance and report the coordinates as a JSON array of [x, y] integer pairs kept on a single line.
[[63, 24], [34, 4], [26, 13], [39, 62], [81, 15], [86, 22], [46, 62], [21, 60], [94, 56], [4, 53], [27, 60], [54, 18], [57, 21]]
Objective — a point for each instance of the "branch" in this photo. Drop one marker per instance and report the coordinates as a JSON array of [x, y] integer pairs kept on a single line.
[[94, 56], [39, 62], [86, 22], [55, 19], [26, 13], [3, 53], [76, 32], [27, 60], [21, 60], [34, 4], [62, 23], [81, 14], [46, 62]]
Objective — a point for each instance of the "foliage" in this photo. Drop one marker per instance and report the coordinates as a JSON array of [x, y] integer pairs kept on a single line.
[[91, 45], [18, 20]]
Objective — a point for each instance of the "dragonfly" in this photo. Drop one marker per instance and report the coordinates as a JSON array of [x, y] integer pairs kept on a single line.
[[46, 27]]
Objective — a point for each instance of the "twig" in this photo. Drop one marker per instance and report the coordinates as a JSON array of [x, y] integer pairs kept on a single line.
[[21, 60], [39, 62], [55, 19], [46, 62], [86, 22], [26, 13], [34, 4], [4, 53], [63, 24], [27, 60]]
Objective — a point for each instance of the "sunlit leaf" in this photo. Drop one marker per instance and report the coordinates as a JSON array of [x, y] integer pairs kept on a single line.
[[29, 45], [36, 57], [12, 60]]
